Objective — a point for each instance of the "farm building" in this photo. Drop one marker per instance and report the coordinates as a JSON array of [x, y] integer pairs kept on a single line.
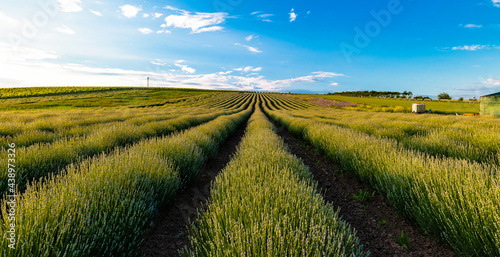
[[418, 108], [490, 105]]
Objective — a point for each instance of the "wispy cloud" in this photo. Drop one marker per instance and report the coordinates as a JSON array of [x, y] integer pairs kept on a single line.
[[476, 26], [130, 11], [65, 30], [491, 82], [197, 22], [45, 71], [249, 38], [249, 69], [318, 76], [496, 3], [470, 47], [183, 67], [249, 48], [145, 30], [7, 22], [324, 74], [157, 15], [168, 7], [70, 5], [485, 86], [163, 31], [293, 15], [10, 53], [95, 12], [262, 16], [158, 62]]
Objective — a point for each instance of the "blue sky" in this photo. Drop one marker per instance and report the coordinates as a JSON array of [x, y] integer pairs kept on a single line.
[[426, 47]]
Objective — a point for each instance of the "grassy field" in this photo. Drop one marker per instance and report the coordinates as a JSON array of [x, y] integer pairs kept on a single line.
[[93, 168], [438, 107], [92, 97], [442, 174]]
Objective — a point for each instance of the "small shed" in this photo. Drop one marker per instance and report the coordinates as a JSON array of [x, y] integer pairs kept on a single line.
[[418, 108], [490, 105]]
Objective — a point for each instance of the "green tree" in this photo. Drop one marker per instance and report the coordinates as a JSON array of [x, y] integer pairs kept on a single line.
[[444, 96]]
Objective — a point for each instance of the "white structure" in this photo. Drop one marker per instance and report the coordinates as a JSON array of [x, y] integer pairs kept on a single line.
[[418, 108]]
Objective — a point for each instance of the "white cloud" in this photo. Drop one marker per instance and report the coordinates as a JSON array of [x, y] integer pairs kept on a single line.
[[249, 69], [130, 11], [157, 15], [262, 16], [266, 15], [484, 87], [491, 82], [8, 22], [317, 76], [293, 15], [470, 47], [473, 25], [145, 30], [334, 84], [65, 30], [158, 62], [249, 38], [209, 29], [323, 74], [168, 7], [197, 22], [43, 70], [70, 5], [163, 31], [249, 48], [496, 3], [184, 68], [145, 15], [13, 54], [95, 12]]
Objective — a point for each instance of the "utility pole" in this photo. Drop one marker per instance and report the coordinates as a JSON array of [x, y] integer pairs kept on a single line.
[[148, 81]]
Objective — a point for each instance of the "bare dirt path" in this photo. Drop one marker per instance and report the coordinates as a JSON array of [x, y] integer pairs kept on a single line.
[[366, 217], [169, 232]]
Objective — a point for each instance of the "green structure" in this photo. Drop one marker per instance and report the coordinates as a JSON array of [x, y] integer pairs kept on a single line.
[[490, 105]]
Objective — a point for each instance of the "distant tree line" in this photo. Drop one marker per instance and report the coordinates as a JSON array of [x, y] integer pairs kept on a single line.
[[403, 95], [377, 94]]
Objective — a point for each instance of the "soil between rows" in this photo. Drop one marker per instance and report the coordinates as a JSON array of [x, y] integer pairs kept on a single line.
[[169, 232], [338, 189]]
